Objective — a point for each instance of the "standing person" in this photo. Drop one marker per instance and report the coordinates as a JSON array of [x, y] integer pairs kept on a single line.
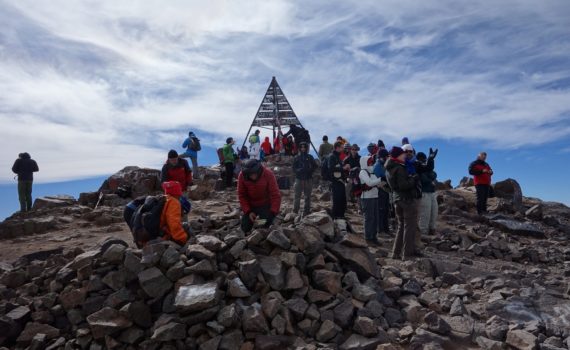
[[229, 160], [383, 193], [266, 147], [25, 167], [369, 198], [428, 208], [325, 149], [336, 176], [303, 166], [259, 195], [404, 190], [351, 166], [254, 145], [482, 173], [176, 169], [192, 145]]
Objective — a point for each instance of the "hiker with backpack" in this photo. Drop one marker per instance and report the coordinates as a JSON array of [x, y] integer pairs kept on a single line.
[[176, 169], [351, 165], [404, 191], [254, 145], [229, 159], [259, 195], [369, 198], [325, 149], [192, 146], [304, 166], [335, 174], [299, 134], [153, 218], [25, 167]]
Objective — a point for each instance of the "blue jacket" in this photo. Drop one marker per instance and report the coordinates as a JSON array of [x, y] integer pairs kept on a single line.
[[189, 152], [411, 166], [379, 170]]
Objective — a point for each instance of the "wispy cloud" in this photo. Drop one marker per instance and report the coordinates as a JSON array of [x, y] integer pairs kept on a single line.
[[90, 87]]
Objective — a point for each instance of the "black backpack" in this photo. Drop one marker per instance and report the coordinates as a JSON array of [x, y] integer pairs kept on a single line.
[[195, 145], [145, 222]]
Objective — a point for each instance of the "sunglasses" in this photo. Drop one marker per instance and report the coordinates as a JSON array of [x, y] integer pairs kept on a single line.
[[409, 151]]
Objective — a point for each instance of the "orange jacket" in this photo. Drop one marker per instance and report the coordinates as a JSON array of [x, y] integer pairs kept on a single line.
[[170, 221]]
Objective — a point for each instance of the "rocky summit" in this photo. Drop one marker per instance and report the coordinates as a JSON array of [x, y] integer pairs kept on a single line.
[[71, 277]]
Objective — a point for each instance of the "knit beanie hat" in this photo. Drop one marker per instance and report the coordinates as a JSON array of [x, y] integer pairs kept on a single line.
[[229, 140], [396, 151], [421, 156], [381, 144], [405, 141], [172, 154], [407, 147]]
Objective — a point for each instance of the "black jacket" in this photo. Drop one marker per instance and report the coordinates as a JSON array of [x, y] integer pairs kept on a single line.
[[335, 165], [404, 186], [354, 162], [304, 165], [25, 167]]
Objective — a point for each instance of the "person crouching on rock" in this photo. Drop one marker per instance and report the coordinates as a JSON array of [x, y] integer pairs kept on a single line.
[[171, 216], [259, 195]]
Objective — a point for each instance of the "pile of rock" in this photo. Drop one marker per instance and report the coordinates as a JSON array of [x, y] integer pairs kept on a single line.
[[272, 289]]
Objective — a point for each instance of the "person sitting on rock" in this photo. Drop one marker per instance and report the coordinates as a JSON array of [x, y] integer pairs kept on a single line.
[[482, 173], [172, 212], [176, 169], [266, 147], [259, 195], [303, 166]]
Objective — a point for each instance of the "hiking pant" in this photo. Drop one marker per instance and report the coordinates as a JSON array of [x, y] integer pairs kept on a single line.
[[482, 196], [383, 211], [348, 189], [370, 210], [25, 195], [262, 212], [306, 188], [338, 199], [428, 212], [407, 215], [194, 167], [229, 174]]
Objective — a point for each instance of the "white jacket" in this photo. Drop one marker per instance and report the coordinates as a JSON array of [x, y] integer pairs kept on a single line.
[[367, 177]]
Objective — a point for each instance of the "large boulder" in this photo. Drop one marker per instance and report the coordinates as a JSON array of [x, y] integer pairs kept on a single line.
[[50, 202], [358, 259], [511, 190], [142, 181]]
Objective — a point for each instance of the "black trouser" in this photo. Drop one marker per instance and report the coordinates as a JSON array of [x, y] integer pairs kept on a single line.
[[338, 199], [229, 174], [383, 211], [263, 212], [482, 196]]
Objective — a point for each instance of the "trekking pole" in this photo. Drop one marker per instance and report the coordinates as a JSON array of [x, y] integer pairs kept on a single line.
[[99, 201]]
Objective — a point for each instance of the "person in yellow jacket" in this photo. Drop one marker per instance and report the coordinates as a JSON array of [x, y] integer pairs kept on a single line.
[[171, 217]]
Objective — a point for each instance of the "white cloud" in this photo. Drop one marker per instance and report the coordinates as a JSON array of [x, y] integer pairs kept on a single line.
[[86, 84]]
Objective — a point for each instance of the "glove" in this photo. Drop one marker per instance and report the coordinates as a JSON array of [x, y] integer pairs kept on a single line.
[[432, 153]]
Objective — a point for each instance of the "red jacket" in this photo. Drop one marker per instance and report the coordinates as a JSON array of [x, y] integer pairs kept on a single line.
[[266, 146], [259, 193], [479, 177], [180, 172]]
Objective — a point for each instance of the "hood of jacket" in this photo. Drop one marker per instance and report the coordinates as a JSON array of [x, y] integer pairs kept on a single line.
[[391, 164], [364, 164], [26, 155]]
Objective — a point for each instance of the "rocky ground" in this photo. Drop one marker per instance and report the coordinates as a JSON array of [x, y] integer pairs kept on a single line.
[[71, 279]]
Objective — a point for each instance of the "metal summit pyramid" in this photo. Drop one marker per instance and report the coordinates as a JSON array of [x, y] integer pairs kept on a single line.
[[274, 111]]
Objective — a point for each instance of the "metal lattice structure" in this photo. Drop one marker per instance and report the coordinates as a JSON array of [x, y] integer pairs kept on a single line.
[[274, 112]]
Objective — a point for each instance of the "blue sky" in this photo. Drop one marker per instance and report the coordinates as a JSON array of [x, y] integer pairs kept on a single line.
[[89, 87]]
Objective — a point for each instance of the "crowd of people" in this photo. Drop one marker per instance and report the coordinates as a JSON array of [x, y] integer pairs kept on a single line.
[[398, 182]]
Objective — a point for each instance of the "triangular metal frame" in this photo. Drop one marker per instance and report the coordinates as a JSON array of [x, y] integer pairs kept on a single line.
[[274, 112]]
